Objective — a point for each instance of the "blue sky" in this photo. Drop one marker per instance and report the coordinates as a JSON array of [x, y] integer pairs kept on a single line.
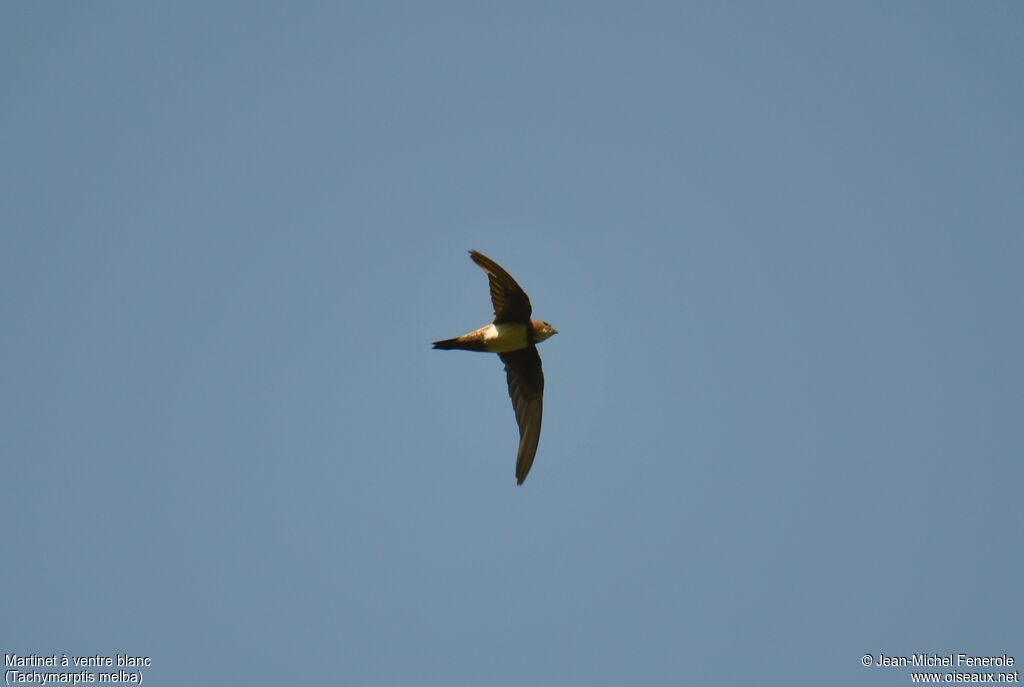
[[782, 244]]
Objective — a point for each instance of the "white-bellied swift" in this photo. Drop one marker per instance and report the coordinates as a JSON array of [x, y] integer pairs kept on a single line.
[[514, 337]]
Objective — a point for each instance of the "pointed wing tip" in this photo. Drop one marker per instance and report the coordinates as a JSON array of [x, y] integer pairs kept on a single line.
[[479, 258], [523, 469]]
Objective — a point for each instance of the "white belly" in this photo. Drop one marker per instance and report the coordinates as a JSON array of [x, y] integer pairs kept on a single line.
[[504, 338]]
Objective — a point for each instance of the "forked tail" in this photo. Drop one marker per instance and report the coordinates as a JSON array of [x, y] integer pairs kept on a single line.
[[469, 342], [447, 344]]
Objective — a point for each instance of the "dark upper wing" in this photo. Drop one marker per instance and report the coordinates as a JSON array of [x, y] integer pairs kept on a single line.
[[511, 304], [526, 388]]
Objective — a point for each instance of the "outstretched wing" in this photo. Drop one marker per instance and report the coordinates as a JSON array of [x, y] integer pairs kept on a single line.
[[526, 389], [511, 304]]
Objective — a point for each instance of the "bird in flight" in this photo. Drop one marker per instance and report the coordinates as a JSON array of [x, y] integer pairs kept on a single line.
[[514, 337]]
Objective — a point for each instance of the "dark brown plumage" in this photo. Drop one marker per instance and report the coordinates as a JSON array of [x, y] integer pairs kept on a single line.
[[526, 389], [513, 336], [511, 304]]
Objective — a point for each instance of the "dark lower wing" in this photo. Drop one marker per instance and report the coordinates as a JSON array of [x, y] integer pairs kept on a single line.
[[526, 389]]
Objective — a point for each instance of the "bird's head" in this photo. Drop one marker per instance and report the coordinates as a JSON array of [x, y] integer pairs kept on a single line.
[[542, 330]]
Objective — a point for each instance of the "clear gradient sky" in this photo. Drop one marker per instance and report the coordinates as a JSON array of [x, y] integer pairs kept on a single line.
[[783, 244]]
